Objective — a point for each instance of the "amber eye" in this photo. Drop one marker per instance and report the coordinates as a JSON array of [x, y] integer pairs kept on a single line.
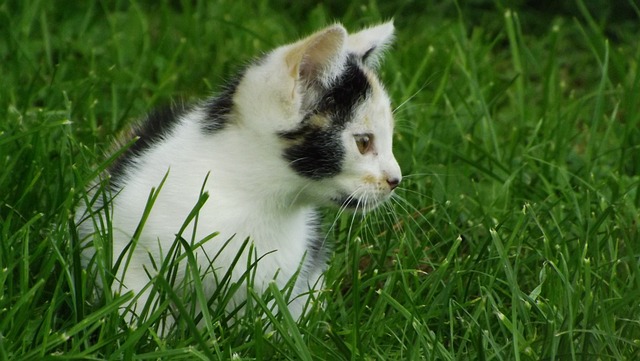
[[364, 142]]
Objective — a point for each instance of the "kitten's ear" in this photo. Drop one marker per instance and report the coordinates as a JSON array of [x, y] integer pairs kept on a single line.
[[319, 57], [369, 44]]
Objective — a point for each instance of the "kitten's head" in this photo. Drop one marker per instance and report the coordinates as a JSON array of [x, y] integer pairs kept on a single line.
[[321, 102]]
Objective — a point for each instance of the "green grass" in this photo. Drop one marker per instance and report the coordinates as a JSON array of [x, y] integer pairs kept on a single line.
[[516, 236]]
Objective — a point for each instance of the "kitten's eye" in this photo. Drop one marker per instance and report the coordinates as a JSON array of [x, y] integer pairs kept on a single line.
[[364, 142]]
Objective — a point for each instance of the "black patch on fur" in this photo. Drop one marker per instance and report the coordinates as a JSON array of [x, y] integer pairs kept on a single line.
[[155, 127], [316, 151], [348, 91], [219, 107], [319, 155], [160, 123], [316, 247]]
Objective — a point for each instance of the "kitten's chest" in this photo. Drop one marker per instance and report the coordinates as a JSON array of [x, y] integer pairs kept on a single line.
[[269, 229], [230, 214], [280, 240]]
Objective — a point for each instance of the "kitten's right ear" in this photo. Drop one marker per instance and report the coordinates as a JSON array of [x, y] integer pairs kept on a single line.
[[369, 44], [318, 58]]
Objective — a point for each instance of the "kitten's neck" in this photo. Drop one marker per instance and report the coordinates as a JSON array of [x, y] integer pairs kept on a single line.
[[250, 173]]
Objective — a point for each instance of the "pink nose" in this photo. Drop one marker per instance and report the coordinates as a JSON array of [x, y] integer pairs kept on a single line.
[[393, 182]]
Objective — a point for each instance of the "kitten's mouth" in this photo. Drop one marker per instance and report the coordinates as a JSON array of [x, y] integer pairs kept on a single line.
[[355, 204]]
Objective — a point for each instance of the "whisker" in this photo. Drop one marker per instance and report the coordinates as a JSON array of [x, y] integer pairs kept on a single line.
[[413, 191], [354, 214], [339, 214], [341, 210], [295, 198], [415, 215], [424, 85], [389, 218], [416, 175]]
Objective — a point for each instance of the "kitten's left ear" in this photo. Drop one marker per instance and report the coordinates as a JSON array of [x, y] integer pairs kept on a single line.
[[370, 43]]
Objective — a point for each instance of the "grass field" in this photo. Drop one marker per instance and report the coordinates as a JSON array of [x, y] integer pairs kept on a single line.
[[515, 234]]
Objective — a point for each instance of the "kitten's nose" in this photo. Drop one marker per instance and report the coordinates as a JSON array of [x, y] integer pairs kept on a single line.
[[393, 182]]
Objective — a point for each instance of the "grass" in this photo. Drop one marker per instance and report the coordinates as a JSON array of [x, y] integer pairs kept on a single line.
[[515, 236]]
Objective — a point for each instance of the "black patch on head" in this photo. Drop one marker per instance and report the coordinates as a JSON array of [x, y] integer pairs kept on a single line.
[[319, 155], [156, 126], [347, 92], [317, 151]]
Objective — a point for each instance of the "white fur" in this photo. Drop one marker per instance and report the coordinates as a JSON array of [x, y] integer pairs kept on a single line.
[[252, 190]]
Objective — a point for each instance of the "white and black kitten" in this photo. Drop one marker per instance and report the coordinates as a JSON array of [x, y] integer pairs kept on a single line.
[[306, 126]]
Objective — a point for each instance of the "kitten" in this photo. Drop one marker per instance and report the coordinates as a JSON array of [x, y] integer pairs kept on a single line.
[[306, 126]]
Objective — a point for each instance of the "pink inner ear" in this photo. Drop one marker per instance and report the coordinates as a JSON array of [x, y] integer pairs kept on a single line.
[[319, 57]]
